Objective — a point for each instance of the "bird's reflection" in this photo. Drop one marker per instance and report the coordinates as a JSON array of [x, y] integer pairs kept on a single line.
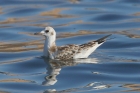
[[54, 67], [53, 70]]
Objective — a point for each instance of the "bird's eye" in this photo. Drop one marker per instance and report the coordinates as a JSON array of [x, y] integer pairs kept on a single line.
[[46, 31]]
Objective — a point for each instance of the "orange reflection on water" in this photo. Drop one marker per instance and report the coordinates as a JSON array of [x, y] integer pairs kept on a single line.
[[56, 13]]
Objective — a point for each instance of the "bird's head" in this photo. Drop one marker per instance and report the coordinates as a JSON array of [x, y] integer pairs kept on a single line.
[[47, 32]]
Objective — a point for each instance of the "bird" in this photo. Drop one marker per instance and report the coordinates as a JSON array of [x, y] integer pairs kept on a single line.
[[69, 51]]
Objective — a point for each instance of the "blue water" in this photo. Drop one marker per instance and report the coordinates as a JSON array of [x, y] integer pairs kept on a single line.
[[113, 67]]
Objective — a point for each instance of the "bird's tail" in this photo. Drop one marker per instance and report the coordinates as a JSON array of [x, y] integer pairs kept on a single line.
[[101, 40]]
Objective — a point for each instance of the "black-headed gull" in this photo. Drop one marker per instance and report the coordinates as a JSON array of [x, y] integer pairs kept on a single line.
[[71, 51]]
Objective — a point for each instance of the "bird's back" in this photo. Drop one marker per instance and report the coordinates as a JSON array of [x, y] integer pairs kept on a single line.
[[73, 51]]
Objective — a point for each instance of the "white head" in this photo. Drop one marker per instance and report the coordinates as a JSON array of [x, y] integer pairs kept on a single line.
[[48, 32], [50, 36]]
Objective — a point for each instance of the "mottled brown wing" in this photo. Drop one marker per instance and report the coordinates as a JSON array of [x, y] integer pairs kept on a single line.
[[87, 45], [67, 52]]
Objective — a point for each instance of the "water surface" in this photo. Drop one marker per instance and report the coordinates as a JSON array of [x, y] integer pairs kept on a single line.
[[113, 67]]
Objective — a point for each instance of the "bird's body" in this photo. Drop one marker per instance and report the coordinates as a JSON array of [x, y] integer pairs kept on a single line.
[[70, 51], [73, 51]]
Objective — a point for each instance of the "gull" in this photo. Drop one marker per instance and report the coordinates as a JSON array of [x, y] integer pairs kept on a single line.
[[70, 51]]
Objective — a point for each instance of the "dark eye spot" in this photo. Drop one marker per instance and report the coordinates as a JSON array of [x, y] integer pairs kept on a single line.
[[46, 31]]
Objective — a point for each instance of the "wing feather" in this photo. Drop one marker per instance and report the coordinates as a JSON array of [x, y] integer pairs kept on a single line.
[[67, 52]]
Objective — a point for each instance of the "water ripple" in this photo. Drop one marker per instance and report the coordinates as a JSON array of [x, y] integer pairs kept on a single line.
[[113, 67]]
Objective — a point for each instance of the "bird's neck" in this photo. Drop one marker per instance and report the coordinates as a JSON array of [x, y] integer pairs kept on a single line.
[[49, 46]]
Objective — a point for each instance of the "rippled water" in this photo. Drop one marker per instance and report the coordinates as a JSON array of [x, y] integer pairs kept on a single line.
[[113, 67]]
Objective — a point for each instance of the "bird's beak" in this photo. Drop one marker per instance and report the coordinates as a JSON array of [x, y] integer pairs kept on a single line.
[[39, 33]]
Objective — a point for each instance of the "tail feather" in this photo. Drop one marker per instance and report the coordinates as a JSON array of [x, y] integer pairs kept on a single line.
[[101, 40]]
